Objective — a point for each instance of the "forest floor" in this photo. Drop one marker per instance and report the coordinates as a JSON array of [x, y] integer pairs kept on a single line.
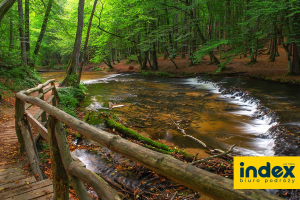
[[263, 69]]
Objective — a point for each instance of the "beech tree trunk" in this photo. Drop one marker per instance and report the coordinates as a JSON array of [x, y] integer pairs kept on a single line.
[[74, 60], [11, 34], [27, 32], [5, 6], [43, 30], [22, 34], [296, 59], [86, 41], [154, 58]]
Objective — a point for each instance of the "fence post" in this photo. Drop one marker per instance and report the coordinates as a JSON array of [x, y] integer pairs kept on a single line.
[[64, 150], [44, 116], [60, 177], [54, 91], [19, 113], [31, 150]]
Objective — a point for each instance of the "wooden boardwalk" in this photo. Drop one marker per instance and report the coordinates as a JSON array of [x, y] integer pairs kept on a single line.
[[15, 182]]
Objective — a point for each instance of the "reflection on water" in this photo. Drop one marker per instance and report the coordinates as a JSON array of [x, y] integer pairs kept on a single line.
[[218, 120], [86, 76]]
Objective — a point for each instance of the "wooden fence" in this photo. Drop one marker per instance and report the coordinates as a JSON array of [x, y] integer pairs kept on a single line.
[[66, 170]]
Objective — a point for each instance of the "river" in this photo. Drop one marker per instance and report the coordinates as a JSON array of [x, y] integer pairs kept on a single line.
[[210, 109]]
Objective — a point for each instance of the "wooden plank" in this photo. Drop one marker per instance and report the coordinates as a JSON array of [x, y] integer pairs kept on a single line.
[[18, 183], [48, 89], [36, 124], [46, 197], [10, 177], [32, 194], [26, 188], [38, 115], [9, 170]]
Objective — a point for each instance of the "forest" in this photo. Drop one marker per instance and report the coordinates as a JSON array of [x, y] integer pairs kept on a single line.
[[70, 33], [204, 81]]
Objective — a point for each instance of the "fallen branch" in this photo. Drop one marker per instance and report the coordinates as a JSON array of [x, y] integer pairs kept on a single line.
[[186, 135], [174, 196], [215, 156]]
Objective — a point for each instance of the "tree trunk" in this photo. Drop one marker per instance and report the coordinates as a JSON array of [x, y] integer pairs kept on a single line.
[[144, 64], [22, 34], [43, 30], [27, 32], [86, 41], [74, 60], [296, 59], [11, 34], [5, 6], [154, 58]]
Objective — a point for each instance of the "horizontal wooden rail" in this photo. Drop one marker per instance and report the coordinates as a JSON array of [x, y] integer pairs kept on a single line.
[[103, 190], [48, 89], [195, 178], [39, 87], [27, 106], [37, 125]]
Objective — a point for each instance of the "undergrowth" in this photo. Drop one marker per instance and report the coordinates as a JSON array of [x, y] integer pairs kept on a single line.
[[16, 79], [70, 96], [155, 73]]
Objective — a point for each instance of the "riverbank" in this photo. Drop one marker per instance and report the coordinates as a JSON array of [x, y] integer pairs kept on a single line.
[[263, 69]]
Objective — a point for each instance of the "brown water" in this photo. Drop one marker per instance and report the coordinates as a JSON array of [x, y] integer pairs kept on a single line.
[[58, 76], [216, 119], [199, 108]]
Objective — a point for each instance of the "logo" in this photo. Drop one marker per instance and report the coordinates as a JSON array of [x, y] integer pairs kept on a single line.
[[266, 172]]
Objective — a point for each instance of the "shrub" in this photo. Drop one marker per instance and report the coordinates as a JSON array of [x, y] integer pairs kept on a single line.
[[155, 73], [70, 97]]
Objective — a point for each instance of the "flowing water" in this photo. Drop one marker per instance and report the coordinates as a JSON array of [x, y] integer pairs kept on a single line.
[[210, 109], [219, 111]]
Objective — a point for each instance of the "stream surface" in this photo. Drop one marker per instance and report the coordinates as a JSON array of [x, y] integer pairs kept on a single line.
[[219, 119], [211, 109]]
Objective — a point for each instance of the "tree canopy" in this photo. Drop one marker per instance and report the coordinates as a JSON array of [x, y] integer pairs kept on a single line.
[[140, 30]]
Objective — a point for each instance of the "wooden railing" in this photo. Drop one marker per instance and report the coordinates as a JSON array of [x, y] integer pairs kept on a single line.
[[66, 170]]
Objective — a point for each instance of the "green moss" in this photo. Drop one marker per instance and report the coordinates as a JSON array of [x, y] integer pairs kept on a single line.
[[132, 134], [148, 143]]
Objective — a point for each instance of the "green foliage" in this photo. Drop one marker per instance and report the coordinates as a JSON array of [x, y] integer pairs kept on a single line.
[[70, 97], [43, 147], [97, 69], [155, 73], [56, 67], [16, 79], [131, 59], [222, 65]]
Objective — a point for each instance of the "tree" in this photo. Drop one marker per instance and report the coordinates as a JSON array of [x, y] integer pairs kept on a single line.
[[22, 34], [74, 60], [43, 30], [5, 6], [87, 40]]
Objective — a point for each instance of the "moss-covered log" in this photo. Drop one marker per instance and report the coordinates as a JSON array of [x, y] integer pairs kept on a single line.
[[132, 134]]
